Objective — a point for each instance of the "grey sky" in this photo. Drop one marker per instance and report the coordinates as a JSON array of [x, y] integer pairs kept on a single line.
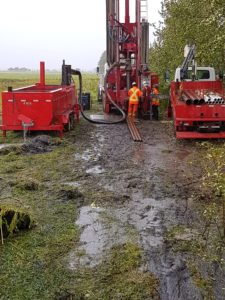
[[52, 30]]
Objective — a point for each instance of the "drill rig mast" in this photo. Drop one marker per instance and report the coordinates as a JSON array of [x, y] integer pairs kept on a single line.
[[127, 53]]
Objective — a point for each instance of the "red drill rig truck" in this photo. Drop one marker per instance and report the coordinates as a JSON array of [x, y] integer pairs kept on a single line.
[[197, 100], [127, 54]]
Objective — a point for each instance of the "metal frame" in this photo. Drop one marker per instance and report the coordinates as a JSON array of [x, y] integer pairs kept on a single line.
[[189, 119], [127, 55]]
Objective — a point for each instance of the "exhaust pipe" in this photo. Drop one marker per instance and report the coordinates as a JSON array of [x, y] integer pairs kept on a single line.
[[42, 73]]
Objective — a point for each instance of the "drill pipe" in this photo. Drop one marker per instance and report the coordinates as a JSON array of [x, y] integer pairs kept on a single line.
[[199, 96], [187, 100], [191, 96], [197, 99]]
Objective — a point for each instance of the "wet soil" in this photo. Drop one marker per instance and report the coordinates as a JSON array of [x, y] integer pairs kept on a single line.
[[38, 144], [130, 193], [148, 186], [33, 145]]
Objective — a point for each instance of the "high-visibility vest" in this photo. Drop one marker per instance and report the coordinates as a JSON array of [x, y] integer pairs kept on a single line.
[[155, 99], [134, 94]]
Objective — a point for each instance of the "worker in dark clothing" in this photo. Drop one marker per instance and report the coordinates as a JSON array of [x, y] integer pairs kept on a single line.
[[147, 97], [155, 102]]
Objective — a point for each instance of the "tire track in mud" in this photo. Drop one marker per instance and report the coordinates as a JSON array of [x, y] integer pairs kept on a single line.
[[149, 176]]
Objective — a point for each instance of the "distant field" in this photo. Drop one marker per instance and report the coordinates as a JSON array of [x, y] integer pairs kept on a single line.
[[90, 81]]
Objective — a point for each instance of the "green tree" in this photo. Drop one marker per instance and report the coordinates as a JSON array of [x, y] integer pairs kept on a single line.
[[189, 21]]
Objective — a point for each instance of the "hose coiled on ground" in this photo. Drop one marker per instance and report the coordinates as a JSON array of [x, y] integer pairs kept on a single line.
[[78, 73]]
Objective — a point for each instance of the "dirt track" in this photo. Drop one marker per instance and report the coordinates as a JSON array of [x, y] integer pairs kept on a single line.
[[119, 193], [151, 183]]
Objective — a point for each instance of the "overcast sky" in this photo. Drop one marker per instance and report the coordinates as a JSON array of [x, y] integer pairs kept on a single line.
[[52, 30]]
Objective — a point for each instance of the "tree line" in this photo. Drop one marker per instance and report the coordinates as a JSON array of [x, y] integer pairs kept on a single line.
[[201, 22]]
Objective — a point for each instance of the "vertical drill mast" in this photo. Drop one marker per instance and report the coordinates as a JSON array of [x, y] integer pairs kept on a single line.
[[127, 49]]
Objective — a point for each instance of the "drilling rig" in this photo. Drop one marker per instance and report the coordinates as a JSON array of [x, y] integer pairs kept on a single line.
[[127, 47]]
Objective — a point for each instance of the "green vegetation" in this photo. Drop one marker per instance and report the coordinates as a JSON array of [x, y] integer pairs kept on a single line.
[[213, 189], [118, 277], [12, 221], [183, 22], [205, 284], [34, 264], [203, 243]]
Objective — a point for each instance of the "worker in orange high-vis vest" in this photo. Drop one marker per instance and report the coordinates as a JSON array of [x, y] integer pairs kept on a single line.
[[155, 102], [134, 95]]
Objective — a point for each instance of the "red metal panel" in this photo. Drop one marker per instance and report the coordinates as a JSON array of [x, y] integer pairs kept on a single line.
[[47, 106], [199, 135], [189, 120]]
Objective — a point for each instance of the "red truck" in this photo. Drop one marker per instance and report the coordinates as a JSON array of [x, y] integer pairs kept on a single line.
[[197, 101]]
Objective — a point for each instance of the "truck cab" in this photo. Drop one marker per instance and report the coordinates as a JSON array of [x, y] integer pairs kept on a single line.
[[202, 74]]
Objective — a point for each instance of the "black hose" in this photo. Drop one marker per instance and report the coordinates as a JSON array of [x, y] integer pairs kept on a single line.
[[77, 72]]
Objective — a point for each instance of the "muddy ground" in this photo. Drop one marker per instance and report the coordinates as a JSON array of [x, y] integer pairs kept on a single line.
[[153, 184], [119, 194]]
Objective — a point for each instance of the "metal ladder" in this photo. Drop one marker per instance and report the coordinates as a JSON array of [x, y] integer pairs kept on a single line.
[[144, 10]]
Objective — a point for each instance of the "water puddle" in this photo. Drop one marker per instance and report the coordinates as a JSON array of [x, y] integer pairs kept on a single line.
[[93, 153], [86, 155], [102, 228], [147, 214], [100, 231], [2, 146], [73, 184], [95, 170]]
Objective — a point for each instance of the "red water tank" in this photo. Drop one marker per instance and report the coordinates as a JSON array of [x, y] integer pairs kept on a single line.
[[40, 107]]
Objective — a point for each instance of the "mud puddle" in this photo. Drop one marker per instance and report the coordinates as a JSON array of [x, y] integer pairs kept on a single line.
[[151, 176], [3, 146], [101, 230], [93, 152]]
